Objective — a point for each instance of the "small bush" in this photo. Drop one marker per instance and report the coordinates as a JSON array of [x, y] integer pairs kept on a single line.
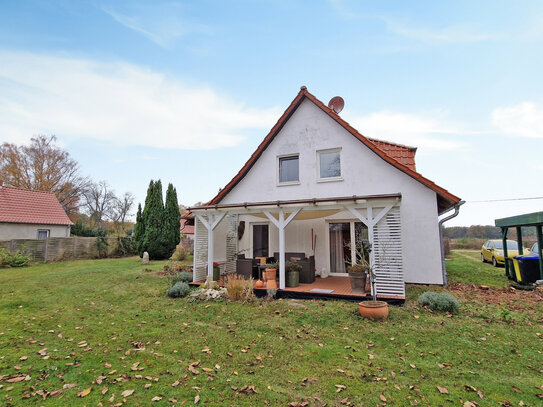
[[443, 302], [238, 288], [180, 253], [176, 273], [291, 266], [179, 289], [17, 259]]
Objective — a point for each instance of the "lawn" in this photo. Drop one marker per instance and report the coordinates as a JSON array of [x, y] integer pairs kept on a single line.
[[106, 325]]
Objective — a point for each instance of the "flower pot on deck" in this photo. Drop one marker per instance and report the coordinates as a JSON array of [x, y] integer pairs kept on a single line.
[[358, 282], [216, 273], [293, 279], [373, 309], [271, 275]]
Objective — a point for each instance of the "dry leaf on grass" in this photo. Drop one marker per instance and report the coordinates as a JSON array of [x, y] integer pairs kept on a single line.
[[84, 392], [127, 393], [382, 398], [443, 390]]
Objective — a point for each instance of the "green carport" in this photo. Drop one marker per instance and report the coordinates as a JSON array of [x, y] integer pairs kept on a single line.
[[528, 220]]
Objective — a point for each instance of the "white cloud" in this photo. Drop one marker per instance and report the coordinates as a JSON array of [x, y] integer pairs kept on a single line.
[[117, 102], [161, 23], [413, 130], [522, 120], [451, 34]]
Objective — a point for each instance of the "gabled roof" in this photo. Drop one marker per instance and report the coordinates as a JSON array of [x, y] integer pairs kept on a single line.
[[26, 206], [401, 157]]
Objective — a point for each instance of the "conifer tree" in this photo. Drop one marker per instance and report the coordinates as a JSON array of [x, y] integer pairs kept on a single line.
[[139, 231], [172, 217], [153, 215]]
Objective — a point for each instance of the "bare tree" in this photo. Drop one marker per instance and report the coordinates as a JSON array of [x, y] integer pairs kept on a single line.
[[121, 210], [43, 166], [99, 202]]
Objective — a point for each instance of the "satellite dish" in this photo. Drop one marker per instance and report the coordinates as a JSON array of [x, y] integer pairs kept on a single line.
[[336, 104]]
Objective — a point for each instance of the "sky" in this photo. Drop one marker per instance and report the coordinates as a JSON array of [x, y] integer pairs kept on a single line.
[[184, 91]]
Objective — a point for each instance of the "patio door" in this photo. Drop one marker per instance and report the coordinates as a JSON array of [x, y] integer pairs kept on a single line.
[[261, 246], [342, 252]]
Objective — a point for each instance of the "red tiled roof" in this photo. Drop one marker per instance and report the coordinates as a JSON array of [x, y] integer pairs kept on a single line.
[[397, 155], [26, 206], [186, 229], [403, 154]]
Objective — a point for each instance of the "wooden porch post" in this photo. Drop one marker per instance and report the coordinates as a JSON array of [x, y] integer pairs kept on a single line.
[[281, 224], [211, 223]]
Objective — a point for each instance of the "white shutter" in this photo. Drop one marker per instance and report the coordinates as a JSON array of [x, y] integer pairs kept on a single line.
[[387, 251], [231, 243], [200, 251]]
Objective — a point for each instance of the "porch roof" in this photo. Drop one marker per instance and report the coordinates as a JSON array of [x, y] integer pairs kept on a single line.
[[313, 203]]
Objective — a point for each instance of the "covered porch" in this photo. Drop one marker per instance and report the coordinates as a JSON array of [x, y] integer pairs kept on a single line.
[[220, 228]]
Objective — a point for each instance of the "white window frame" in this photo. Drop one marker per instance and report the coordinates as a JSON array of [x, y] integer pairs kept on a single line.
[[329, 179], [48, 231], [279, 158]]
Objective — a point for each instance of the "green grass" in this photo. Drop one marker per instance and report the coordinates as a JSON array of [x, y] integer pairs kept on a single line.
[[468, 269], [290, 351]]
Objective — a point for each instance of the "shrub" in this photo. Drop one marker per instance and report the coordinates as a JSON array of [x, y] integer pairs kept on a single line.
[[176, 273], [180, 253], [238, 288], [17, 259], [179, 289], [443, 302], [125, 247]]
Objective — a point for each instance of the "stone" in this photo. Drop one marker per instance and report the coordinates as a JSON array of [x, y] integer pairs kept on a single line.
[[145, 258]]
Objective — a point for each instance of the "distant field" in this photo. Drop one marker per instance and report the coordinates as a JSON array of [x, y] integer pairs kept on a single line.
[[106, 325]]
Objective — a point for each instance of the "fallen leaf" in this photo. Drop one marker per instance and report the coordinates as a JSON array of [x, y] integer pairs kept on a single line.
[[340, 387], [443, 390], [382, 398], [104, 390], [69, 386], [196, 399], [127, 393], [156, 398], [84, 392], [55, 393]]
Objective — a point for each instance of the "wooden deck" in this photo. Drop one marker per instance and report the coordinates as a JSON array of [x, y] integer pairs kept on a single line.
[[324, 288]]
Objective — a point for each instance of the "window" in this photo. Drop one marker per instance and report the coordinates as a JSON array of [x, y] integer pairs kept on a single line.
[[289, 170], [43, 233], [329, 164]]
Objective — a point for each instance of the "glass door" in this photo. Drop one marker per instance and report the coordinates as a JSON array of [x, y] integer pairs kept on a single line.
[[342, 252], [260, 241], [340, 246]]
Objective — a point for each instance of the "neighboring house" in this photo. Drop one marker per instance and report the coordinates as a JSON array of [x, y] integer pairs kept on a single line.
[[26, 214], [186, 228], [314, 185]]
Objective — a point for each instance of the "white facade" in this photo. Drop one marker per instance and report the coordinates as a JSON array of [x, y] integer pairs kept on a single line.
[[9, 231], [398, 206], [364, 173]]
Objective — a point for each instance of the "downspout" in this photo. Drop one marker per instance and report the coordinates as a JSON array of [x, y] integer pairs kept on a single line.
[[440, 224]]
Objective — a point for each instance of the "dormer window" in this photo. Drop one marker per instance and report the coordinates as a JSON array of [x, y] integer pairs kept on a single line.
[[329, 164], [289, 169]]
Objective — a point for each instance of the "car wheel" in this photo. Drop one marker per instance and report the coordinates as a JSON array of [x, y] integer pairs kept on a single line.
[[494, 262], [483, 258]]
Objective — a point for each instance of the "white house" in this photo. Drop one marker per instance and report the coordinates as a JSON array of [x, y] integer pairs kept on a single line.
[[314, 185], [26, 214]]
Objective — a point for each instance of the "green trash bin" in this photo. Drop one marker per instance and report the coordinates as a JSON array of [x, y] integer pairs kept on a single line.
[[529, 268], [293, 278]]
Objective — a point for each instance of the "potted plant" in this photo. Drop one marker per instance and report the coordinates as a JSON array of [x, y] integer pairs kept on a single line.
[[357, 276], [293, 274], [271, 275], [373, 309], [358, 271]]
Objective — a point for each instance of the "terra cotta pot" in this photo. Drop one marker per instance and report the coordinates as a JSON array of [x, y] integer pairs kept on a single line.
[[373, 309]]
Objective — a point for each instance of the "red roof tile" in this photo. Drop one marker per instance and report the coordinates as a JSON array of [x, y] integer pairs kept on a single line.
[[402, 157], [26, 206], [186, 229]]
